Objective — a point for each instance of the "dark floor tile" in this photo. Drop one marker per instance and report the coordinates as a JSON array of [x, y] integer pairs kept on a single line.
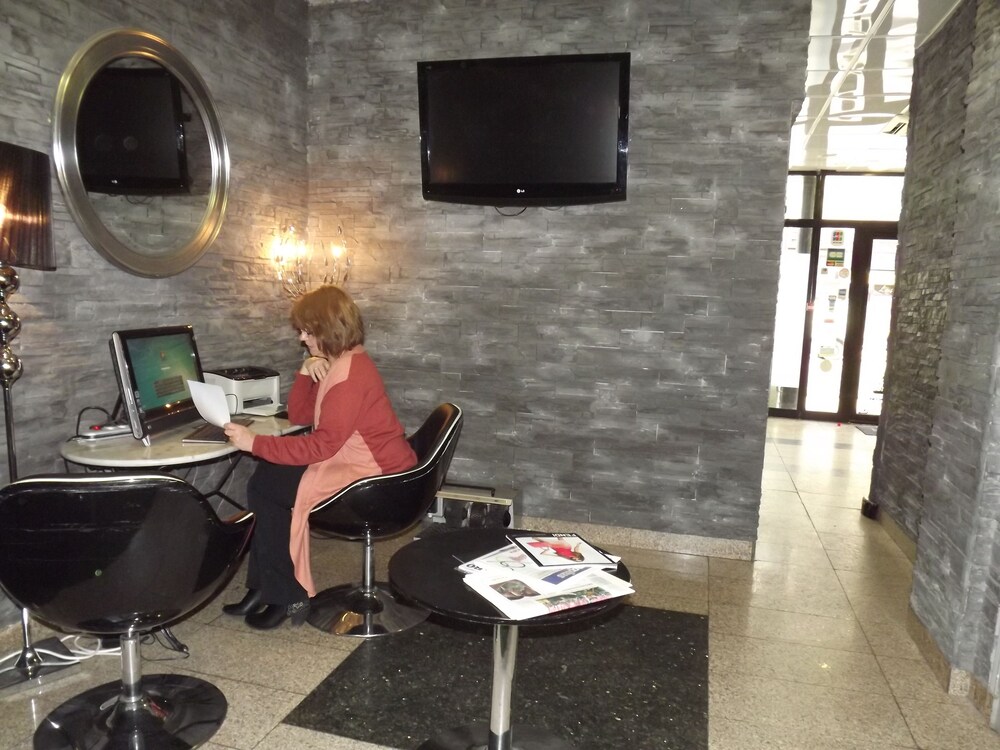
[[637, 678]]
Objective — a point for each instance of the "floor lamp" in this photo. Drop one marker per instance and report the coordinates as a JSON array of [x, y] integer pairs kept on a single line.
[[25, 240]]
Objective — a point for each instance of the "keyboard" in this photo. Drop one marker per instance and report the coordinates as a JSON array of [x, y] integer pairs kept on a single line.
[[209, 433]]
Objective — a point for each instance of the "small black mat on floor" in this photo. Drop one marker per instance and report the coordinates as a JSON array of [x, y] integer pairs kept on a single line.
[[636, 678]]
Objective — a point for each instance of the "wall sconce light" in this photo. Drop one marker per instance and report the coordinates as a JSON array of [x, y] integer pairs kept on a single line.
[[296, 261], [290, 256], [337, 257]]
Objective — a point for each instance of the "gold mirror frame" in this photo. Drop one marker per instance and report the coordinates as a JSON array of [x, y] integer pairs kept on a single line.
[[96, 53]]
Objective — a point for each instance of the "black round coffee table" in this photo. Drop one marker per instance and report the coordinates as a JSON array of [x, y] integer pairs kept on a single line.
[[425, 571]]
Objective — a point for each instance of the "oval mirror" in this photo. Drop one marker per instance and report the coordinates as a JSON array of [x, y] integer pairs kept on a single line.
[[140, 153]]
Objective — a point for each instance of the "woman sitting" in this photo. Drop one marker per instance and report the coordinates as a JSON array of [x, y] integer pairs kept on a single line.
[[355, 433]]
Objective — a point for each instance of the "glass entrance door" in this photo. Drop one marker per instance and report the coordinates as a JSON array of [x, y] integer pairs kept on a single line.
[[848, 327], [834, 304], [878, 314]]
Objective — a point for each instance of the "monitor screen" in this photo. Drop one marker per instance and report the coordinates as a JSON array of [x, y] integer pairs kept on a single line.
[[525, 131], [153, 366]]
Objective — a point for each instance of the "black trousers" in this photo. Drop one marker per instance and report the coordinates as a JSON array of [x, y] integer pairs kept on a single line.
[[270, 495]]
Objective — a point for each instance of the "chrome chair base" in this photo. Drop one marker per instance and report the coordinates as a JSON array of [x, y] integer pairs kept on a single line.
[[348, 610], [175, 712]]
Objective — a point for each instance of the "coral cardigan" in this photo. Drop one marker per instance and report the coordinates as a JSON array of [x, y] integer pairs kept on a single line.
[[355, 434]]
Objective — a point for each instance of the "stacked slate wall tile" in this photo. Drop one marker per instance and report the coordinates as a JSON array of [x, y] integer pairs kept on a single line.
[[980, 228], [612, 360], [941, 483], [252, 57], [926, 246]]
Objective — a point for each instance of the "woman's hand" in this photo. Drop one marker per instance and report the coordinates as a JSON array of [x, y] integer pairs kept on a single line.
[[240, 436], [316, 368]]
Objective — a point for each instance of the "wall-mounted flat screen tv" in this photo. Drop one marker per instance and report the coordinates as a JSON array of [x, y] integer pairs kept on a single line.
[[525, 131], [130, 133]]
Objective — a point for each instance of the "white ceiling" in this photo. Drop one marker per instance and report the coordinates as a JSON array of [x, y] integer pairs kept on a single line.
[[858, 82]]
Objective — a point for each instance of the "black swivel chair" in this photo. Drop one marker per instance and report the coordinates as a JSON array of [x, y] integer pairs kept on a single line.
[[120, 555], [376, 508]]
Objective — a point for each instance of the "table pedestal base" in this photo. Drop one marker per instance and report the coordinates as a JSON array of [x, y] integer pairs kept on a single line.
[[477, 737], [498, 734], [424, 572]]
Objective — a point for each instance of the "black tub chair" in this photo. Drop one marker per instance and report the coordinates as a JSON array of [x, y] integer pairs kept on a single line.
[[376, 508], [120, 555]]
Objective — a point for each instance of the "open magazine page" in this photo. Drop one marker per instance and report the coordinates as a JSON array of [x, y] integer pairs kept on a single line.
[[507, 558], [521, 596], [512, 558], [551, 550]]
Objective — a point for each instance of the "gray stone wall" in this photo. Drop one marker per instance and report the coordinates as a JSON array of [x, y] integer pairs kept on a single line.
[[955, 584], [980, 230], [946, 492], [926, 245], [612, 360], [252, 56]]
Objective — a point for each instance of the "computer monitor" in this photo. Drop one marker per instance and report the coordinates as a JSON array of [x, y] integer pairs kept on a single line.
[[153, 366]]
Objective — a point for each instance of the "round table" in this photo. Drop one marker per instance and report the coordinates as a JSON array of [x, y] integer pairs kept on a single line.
[[425, 571], [167, 450]]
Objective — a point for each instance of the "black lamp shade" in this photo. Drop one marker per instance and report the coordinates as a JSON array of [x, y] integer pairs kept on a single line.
[[26, 213]]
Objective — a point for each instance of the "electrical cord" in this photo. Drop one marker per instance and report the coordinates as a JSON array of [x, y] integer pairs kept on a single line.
[[166, 640], [90, 652], [502, 213], [77, 652], [518, 213], [84, 410]]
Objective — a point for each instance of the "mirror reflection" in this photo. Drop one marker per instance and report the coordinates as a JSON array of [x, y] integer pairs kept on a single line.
[[144, 155], [140, 153]]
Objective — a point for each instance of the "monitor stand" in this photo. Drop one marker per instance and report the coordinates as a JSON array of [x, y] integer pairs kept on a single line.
[[118, 414]]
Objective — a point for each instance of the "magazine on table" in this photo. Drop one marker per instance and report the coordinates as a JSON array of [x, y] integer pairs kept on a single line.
[[521, 596], [513, 560], [510, 557], [562, 550]]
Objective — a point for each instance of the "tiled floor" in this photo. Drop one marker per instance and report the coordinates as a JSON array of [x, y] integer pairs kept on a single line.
[[807, 649]]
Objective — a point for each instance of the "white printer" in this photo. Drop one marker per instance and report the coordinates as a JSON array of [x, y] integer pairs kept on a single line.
[[249, 390]]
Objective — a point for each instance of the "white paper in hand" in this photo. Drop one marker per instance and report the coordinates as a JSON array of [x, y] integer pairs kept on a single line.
[[210, 400]]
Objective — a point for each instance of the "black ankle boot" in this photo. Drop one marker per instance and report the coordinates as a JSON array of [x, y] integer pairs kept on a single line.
[[248, 604], [274, 614]]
